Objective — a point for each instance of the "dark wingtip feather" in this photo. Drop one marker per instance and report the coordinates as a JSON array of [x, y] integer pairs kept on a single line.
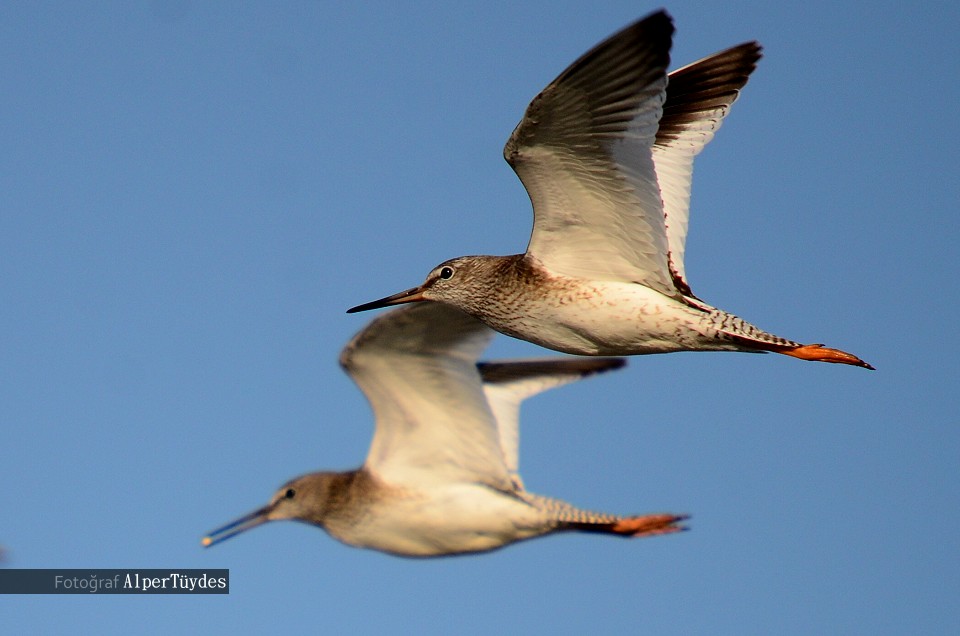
[[707, 84], [508, 370]]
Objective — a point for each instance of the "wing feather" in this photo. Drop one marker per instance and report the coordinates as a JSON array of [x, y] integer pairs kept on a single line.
[[699, 96], [508, 383], [582, 151], [417, 367]]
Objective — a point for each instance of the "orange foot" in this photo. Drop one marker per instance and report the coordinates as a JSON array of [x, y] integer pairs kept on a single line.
[[819, 353], [649, 525]]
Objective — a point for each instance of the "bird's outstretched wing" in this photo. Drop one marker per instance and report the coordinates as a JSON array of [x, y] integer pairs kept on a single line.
[[507, 383], [699, 96], [583, 152], [606, 154], [417, 367]]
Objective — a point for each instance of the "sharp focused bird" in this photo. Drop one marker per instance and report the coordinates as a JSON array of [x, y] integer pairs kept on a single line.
[[606, 154]]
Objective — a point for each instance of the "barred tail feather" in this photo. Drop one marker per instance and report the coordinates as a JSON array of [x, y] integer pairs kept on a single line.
[[749, 336], [569, 517]]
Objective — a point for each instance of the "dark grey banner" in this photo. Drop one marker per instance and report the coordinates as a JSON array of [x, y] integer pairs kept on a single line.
[[53, 581]]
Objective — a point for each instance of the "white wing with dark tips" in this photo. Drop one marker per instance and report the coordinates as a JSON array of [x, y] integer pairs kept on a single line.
[[699, 96], [582, 151], [508, 383], [606, 154]]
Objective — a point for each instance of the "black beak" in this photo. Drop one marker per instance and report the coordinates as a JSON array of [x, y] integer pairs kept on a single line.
[[232, 529], [412, 295]]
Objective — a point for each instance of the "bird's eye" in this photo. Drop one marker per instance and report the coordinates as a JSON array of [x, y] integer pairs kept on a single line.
[[290, 493], [446, 273]]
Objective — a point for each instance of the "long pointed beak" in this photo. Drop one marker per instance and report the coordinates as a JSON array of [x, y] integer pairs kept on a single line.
[[412, 295], [252, 520]]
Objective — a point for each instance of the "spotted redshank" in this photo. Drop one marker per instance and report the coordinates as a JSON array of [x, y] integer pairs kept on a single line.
[[606, 154], [441, 475]]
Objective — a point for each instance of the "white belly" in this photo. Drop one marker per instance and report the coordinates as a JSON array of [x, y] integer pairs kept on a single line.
[[453, 519], [605, 318]]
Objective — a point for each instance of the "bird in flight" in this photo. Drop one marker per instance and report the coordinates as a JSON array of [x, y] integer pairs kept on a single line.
[[441, 476], [606, 154]]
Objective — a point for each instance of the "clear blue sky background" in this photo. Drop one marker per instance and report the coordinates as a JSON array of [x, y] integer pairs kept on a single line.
[[191, 194]]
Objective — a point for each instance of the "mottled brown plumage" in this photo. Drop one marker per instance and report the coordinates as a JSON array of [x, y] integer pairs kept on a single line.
[[606, 153]]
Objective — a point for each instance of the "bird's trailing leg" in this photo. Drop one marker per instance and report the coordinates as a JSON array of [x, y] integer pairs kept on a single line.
[[649, 525], [571, 518], [819, 353]]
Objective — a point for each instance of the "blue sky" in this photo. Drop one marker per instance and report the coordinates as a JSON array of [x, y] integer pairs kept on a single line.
[[192, 194]]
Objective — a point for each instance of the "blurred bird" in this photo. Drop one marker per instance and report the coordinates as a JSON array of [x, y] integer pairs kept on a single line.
[[441, 474]]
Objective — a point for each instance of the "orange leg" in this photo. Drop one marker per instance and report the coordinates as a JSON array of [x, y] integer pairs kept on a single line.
[[649, 525], [819, 353]]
